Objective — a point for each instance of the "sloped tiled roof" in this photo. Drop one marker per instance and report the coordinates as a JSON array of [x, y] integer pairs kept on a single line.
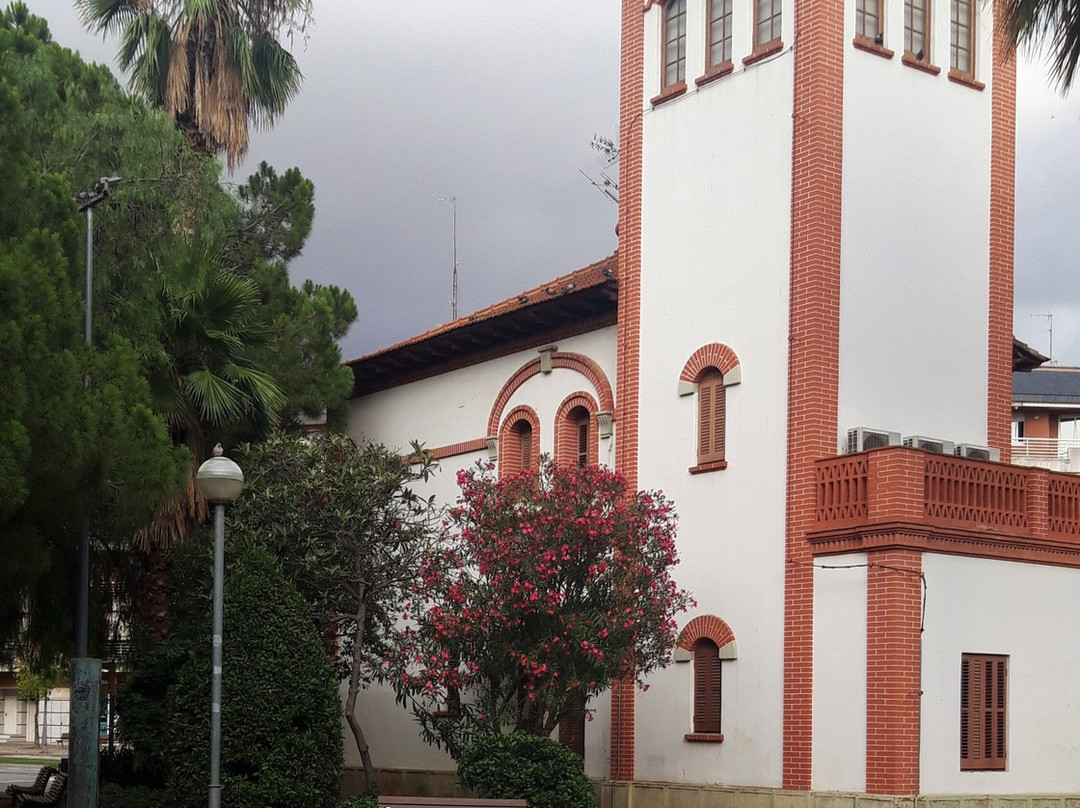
[[1058, 385], [570, 304], [1024, 357]]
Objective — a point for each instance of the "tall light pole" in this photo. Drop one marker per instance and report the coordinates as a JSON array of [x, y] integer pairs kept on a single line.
[[85, 679], [86, 201], [219, 480]]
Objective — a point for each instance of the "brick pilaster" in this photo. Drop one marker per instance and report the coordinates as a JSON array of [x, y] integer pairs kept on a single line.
[[628, 329], [814, 324], [893, 662], [1002, 218]]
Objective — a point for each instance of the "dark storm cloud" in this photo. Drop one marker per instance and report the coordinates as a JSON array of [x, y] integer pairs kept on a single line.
[[495, 103]]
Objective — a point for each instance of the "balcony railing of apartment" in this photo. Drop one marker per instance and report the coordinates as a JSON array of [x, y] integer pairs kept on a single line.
[[900, 497], [1044, 447]]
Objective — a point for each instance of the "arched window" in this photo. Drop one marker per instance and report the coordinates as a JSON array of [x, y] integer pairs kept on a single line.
[[708, 373], [707, 680], [578, 423], [712, 405], [519, 443], [576, 441], [708, 642], [522, 437]]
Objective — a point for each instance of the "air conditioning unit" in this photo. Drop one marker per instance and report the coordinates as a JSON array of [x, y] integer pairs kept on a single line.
[[929, 444], [859, 439], [973, 452]]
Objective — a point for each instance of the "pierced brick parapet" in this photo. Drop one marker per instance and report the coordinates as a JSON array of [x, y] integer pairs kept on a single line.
[[906, 498]]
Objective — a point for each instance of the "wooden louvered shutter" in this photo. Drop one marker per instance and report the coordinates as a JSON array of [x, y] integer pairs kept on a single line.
[[983, 699], [572, 727], [712, 401], [706, 687], [525, 436], [583, 442]]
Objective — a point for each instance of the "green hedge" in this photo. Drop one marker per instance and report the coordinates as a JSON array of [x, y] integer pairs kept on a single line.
[[539, 770]]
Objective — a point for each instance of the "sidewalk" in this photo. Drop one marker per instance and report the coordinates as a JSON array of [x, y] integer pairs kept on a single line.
[[32, 750]]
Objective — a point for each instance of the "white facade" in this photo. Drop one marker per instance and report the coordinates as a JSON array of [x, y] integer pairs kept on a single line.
[[1029, 613], [916, 212], [781, 543]]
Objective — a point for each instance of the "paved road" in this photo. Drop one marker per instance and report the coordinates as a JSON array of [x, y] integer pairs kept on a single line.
[[11, 773]]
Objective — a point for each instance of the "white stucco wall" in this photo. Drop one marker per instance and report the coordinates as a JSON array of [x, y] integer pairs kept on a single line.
[[715, 236], [839, 720], [914, 262], [454, 408], [1030, 613]]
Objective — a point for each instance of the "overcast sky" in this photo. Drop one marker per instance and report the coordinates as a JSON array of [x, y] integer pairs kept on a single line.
[[495, 103]]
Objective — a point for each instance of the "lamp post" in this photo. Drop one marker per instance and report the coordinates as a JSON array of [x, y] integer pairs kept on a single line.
[[219, 480], [85, 681]]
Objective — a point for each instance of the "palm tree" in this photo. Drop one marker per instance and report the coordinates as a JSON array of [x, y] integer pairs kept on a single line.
[[205, 383], [1053, 25], [214, 66]]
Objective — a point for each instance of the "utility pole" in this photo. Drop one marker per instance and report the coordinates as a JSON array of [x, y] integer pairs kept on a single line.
[[85, 681], [453, 297]]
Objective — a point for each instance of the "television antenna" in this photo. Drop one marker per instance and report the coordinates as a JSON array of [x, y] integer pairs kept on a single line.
[[1050, 326], [453, 296], [609, 153]]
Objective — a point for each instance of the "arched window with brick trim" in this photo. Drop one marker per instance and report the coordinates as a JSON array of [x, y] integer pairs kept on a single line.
[[519, 441], [707, 642], [575, 431], [709, 373]]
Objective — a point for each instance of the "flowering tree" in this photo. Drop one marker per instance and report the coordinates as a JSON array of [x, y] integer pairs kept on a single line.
[[546, 587]]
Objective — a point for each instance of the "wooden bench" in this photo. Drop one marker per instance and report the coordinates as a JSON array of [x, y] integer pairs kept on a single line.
[[447, 802]]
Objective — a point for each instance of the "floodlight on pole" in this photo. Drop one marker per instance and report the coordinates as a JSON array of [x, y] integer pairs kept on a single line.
[[84, 706], [219, 480]]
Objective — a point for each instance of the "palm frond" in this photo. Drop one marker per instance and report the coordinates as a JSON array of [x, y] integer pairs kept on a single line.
[[1045, 27], [260, 386], [274, 81], [217, 400], [108, 15], [153, 66]]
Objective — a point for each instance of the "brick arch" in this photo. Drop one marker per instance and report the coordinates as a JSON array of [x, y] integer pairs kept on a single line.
[[707, 625], [570, 361], [565, 439], [509, 450], [713, 355]]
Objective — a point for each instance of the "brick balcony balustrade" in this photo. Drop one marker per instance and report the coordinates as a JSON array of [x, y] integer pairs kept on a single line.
[[907, 498]]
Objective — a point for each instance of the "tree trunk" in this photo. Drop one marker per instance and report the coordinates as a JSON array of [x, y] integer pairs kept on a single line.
[[153, 603], [354, 688]]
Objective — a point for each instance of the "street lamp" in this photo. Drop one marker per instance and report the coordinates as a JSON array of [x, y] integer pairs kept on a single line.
[[219, 480], [85, 679]]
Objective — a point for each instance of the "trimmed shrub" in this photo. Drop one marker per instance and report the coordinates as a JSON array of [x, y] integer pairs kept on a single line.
[[121, 767], [112, 795], [539, 770], [281, 718]]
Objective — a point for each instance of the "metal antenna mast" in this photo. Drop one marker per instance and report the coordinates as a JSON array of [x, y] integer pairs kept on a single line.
[[453, 297], [1050, 325]]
